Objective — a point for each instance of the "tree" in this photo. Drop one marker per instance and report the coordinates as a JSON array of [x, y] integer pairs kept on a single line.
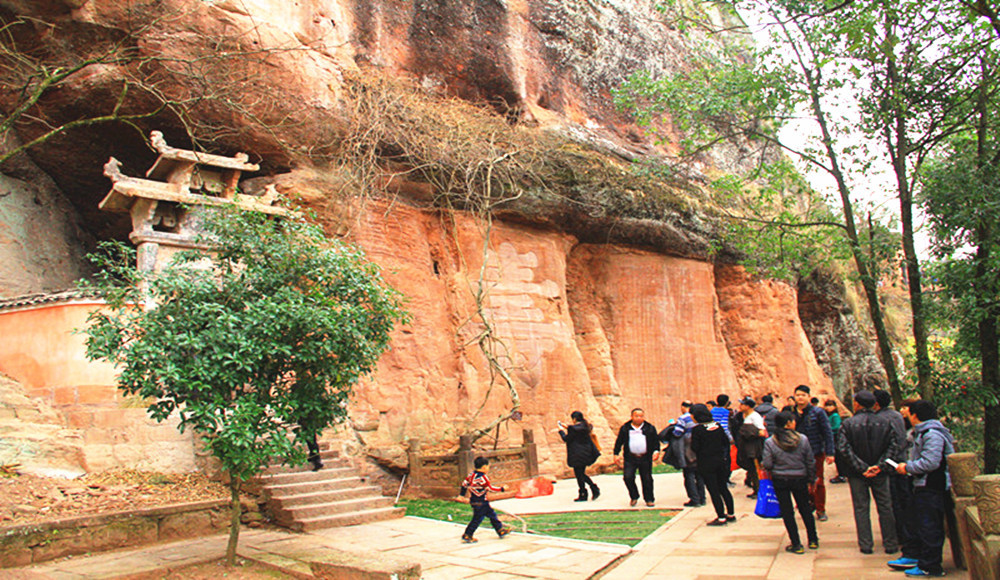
[[960, 195], [916, 69], [743, 96], [257, 353]]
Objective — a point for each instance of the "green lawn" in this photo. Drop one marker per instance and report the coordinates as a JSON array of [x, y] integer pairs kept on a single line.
[[618, 527]]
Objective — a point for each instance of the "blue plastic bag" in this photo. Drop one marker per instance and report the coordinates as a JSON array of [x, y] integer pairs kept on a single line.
[[767, 501]]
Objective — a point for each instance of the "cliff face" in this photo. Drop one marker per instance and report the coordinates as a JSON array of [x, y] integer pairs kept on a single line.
[[596, 328], [589, 311]]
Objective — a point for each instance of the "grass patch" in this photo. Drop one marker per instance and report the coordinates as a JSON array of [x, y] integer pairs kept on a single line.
[[437, 509], [627, 527]]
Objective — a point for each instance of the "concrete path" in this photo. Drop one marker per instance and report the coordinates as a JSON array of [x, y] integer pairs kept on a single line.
[[682, 549]]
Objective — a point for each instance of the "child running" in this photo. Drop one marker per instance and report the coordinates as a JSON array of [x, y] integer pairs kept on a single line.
[[477, 484]]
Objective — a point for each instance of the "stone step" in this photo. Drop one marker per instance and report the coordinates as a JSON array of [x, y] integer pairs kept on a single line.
[[349, 519], [328, 463], [300, 513], [328, 496], [306, 487], [271, 479]]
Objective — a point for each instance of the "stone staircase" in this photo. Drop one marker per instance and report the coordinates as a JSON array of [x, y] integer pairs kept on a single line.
[[302, 500]]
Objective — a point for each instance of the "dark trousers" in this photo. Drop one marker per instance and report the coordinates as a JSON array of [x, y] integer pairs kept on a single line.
[[798, 488], [752, 478], [644, 465], [818, 488], [717, 483], [694, 485], [313, 447], [862, 491], [901, 488], [481, 511], [927, 524], [583, 480]]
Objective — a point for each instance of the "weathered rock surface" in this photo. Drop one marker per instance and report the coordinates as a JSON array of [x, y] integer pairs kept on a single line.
[[595, 328], [585, 309], [842, 350]]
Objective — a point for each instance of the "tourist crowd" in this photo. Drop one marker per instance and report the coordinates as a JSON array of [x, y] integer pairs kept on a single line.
[[896, 458]]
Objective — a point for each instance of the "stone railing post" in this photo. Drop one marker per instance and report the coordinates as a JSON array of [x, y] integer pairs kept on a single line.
[[962, 467], [985, 561], [988, 502], [413, 458], [530, 451], [466, 460]]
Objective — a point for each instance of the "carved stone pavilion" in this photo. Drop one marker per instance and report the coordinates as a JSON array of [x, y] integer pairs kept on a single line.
[[167, 207]]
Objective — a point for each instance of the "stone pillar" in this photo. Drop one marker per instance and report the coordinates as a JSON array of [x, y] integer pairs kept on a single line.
[[530, 451], [988, 502], [413, 459], [466, 459], [963, 467], [984, 528]]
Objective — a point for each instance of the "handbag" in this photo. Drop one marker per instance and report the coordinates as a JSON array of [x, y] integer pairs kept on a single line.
[[595, 450], [767, 500]]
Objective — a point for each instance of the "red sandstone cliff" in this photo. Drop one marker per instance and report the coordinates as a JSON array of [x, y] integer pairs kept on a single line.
[[593, 310]]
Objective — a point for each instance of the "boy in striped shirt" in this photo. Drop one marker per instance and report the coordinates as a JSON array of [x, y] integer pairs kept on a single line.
[[478, 484]]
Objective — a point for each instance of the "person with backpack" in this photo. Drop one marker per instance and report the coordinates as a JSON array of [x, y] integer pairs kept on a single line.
[[791, 462], [928, 466], [582, 451], [680, 434], [711, 446], [768, 411]]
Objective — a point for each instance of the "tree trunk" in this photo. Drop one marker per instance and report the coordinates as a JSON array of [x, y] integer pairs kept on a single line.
[[235, 510], [868, 281], [899, 151], [990, 355]]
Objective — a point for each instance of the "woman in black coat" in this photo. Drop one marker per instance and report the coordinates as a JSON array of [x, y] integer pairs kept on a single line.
[[711, 445], [581, 451]]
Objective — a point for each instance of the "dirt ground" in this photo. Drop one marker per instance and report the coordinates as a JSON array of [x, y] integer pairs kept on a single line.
[[26, 499]]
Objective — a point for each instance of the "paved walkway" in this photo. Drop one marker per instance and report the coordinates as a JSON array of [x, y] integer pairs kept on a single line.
[[683, 549]]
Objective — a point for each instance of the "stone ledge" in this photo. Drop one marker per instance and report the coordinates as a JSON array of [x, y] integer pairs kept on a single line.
[[360, 566], [32, 543]]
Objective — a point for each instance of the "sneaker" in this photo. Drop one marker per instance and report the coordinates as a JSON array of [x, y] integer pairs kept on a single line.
[[813, 544], [821, 516], [730, 518], [691, 504], [903, 563], [503, 532], [650, 503], [717, 522], [915, 571], [795, 549], [468, 539]]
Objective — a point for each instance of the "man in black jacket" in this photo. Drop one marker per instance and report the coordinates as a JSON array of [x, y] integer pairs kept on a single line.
[[866, 441], [639, 447]]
